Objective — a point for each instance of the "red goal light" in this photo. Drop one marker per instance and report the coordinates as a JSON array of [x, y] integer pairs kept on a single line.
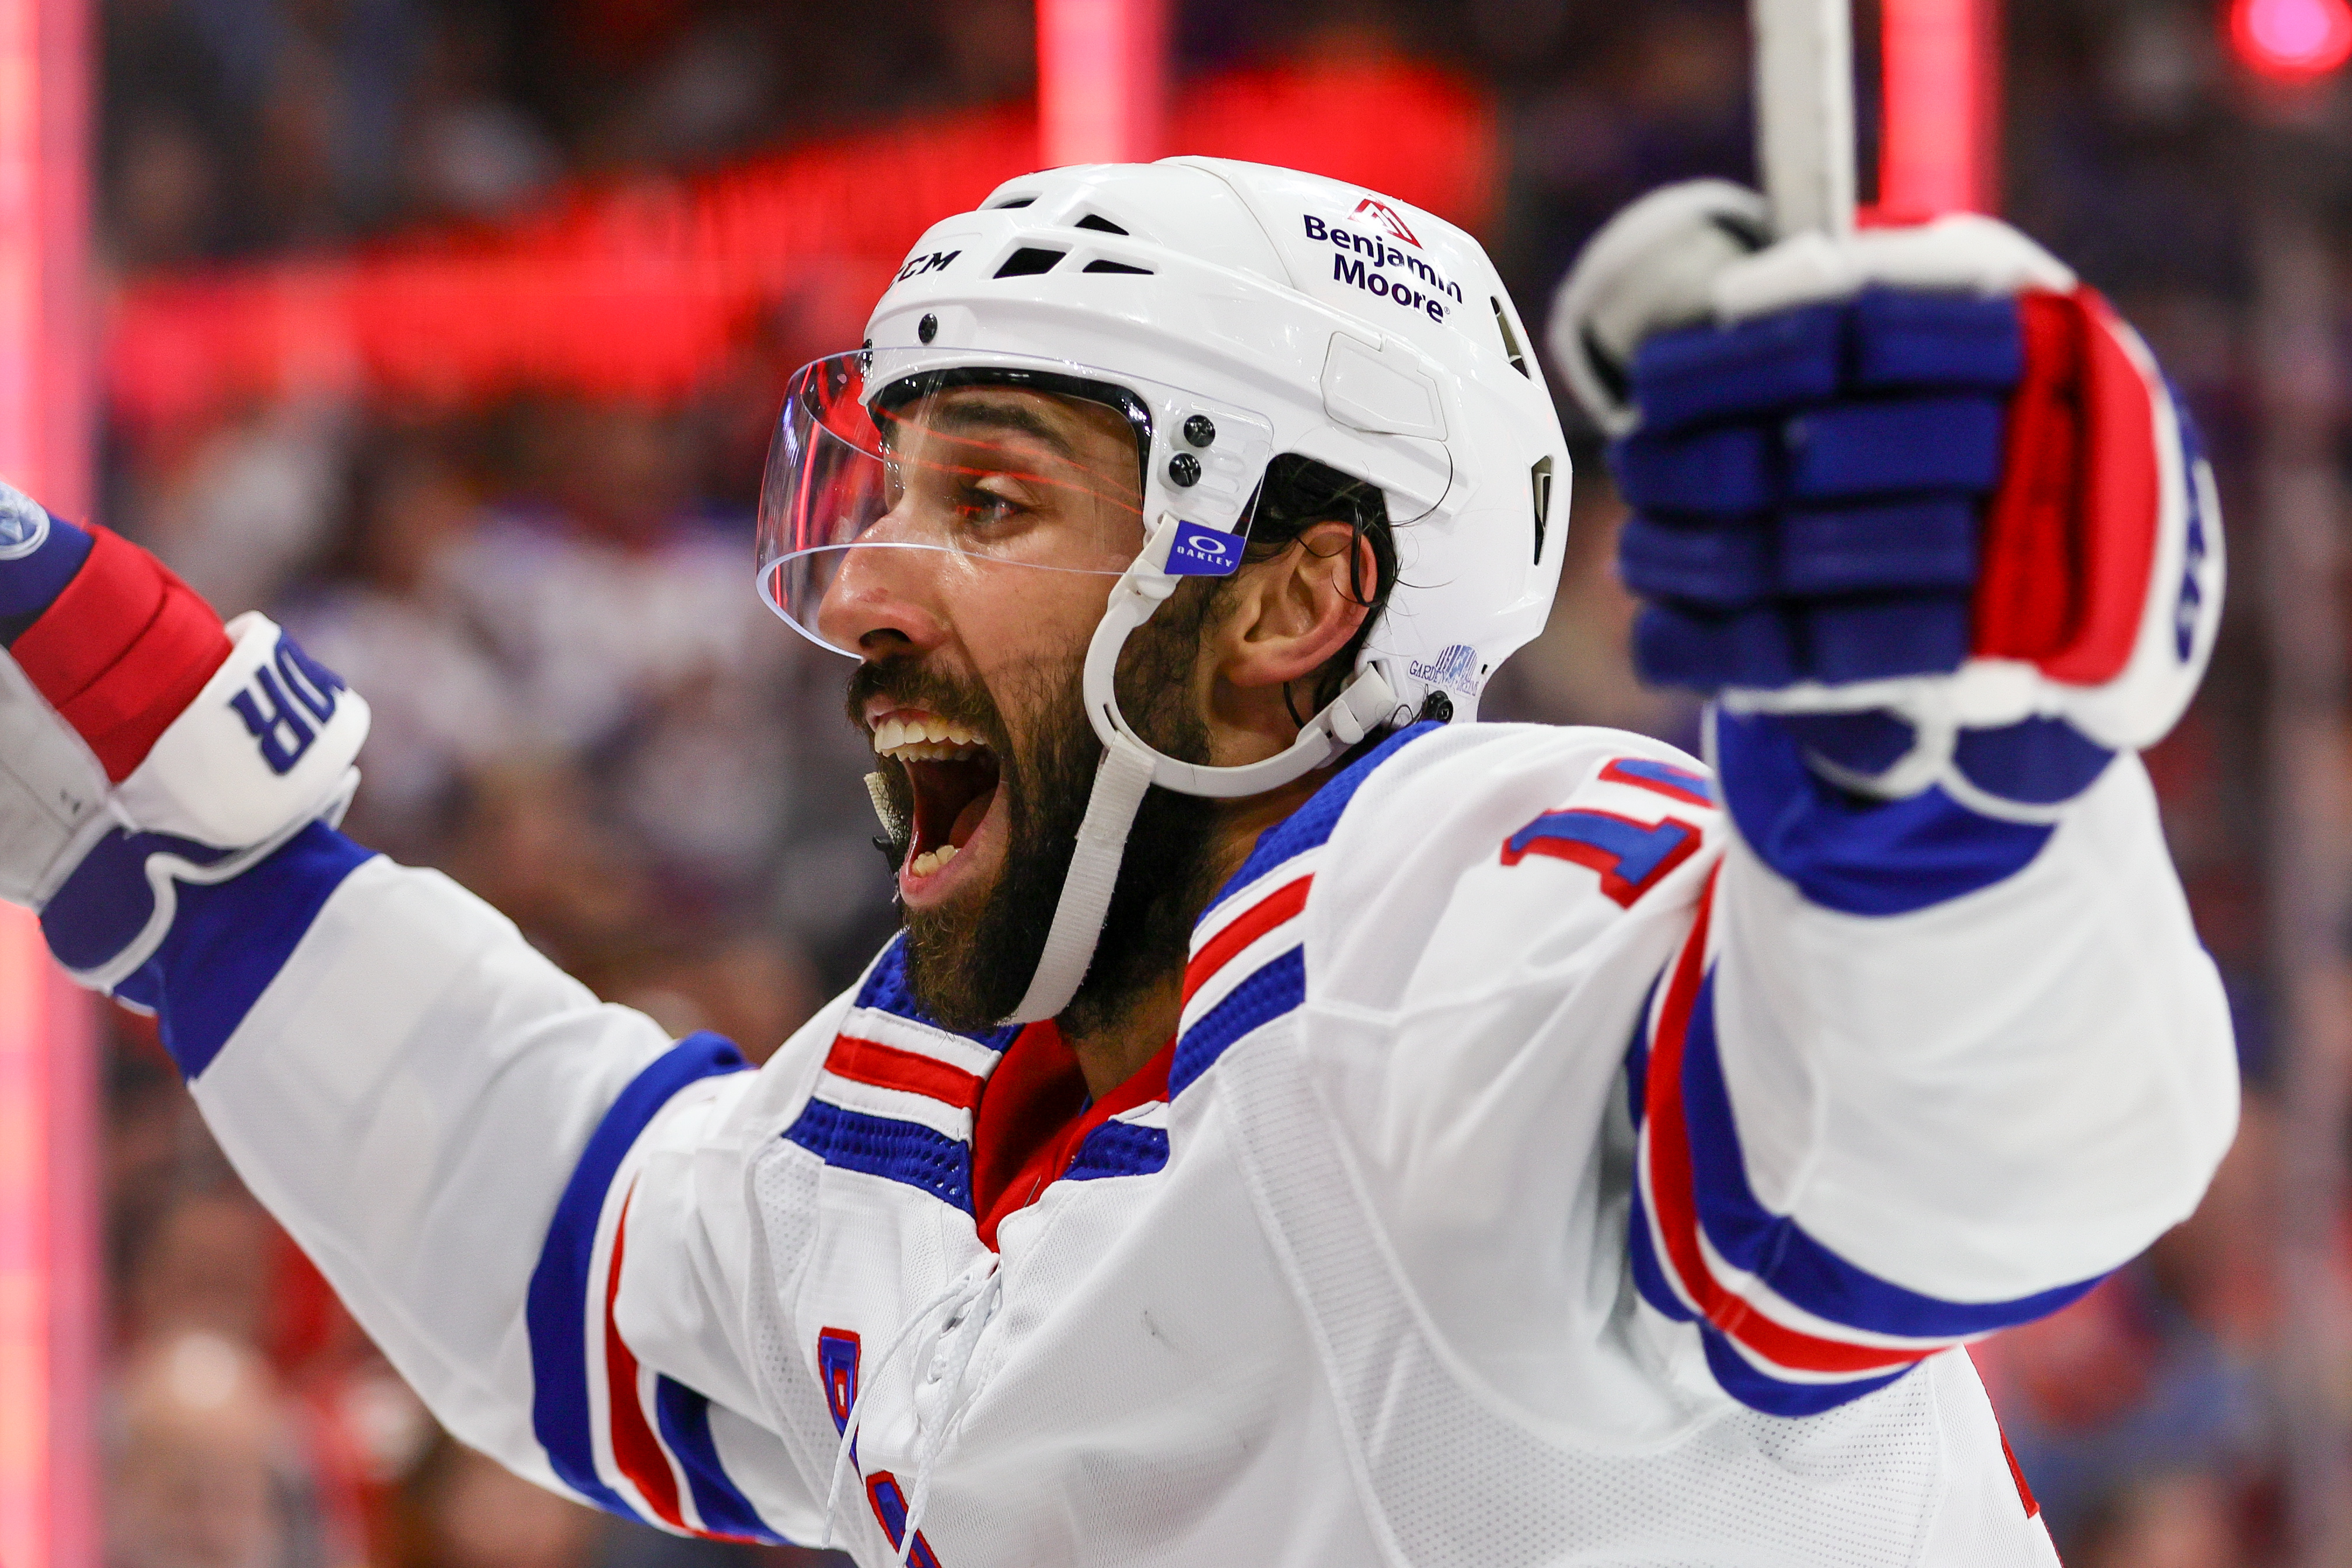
[[2292, 40]]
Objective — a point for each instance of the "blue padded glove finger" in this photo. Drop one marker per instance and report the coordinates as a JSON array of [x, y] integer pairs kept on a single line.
[[1929, 543], [1903, 447], [1691, 561], [1706, 373]]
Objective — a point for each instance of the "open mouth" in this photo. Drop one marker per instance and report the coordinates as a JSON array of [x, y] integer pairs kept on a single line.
[[951, 775]]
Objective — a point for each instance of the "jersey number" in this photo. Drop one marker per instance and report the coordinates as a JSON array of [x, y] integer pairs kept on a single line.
[[1632, 857]]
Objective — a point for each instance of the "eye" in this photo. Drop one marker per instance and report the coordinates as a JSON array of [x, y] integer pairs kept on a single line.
[[984, 504]]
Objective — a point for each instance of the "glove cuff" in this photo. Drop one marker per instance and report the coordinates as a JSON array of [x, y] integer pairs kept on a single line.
[[265, 749], [265, 743]]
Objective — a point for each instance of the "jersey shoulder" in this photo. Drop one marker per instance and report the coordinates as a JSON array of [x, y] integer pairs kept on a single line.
[[1478, 851]]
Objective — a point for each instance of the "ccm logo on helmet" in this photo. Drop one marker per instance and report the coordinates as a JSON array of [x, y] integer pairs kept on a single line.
[[917, 265], [1363, 256]]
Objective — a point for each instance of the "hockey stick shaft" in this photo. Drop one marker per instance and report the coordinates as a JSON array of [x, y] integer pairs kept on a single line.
[[1804, 112]]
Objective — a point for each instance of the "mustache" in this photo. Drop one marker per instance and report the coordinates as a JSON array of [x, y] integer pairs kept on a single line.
[[908, 684]]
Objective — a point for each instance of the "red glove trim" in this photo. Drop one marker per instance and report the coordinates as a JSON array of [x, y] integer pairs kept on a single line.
[[2120, 512], [123, 650], [2032, 579], [2070, 538]]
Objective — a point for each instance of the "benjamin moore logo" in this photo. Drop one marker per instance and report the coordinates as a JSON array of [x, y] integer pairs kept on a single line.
[[23, 525], [1358, 259], [1387, 217], [1456, 666]]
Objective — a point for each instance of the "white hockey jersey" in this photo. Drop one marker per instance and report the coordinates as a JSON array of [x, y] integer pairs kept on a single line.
[[1543, 1174]]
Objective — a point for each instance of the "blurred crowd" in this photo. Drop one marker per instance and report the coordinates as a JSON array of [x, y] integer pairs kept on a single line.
[[583, 714]]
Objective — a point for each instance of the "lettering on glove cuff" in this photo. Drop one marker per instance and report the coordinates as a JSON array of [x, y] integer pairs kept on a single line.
[[264, 746]]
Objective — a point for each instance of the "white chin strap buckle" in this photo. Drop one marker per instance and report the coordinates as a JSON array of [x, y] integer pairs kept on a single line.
[[1130, 766]]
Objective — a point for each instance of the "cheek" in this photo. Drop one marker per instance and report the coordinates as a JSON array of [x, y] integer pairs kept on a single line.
[[1017, 620]]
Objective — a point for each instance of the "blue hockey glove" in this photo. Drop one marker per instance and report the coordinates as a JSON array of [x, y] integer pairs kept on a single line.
[[1919, 492], [143, 746]]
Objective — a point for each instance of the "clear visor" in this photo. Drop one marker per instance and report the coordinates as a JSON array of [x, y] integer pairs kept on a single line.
[[1036, 465]]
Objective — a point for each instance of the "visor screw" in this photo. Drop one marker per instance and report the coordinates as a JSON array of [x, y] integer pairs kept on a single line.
[[1184, 469], [927, 329], [1200, 430], [1438, 709]]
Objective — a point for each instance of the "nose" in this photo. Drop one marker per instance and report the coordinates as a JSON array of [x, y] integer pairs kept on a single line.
[[882, 601]]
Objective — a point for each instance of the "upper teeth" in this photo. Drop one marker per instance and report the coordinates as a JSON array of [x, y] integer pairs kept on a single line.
[[919, 737]]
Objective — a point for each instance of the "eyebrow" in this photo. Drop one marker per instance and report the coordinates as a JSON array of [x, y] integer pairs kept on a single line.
[[965, 416]]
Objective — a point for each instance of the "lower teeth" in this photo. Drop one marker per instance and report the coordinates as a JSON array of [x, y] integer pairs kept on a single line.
[[931, 860]]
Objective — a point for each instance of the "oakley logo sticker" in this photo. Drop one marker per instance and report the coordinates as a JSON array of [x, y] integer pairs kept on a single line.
[[1202, 552]]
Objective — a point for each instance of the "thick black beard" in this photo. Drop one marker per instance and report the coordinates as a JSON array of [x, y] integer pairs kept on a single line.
[[969, 965]]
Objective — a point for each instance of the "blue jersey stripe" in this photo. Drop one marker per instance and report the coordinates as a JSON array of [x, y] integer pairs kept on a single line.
[[1649, 1274], [555, 1311], [884, 990], [905, 1152], [1775, 1396], [1278, 987], [1118, 1149], [1777, 1249], [228, 941], [1733, 1372], [684, 1416]]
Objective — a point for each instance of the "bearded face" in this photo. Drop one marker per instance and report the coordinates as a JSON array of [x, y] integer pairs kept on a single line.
[[971, 954], [971, 602]]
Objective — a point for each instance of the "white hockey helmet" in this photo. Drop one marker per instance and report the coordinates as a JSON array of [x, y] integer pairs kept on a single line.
[[1235, 312]]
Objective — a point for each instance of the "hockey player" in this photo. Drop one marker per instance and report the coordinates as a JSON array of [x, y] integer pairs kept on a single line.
[[1297, 1124]]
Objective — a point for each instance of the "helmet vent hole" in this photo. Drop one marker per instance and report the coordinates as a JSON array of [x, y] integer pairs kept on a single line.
[[1009, 202], [1030, 260], [1114, 266], [1511, 350], [1100, 225], [1539, 479]]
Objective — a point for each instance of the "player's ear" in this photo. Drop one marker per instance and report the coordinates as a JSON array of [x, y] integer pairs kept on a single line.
[[1288, 615]]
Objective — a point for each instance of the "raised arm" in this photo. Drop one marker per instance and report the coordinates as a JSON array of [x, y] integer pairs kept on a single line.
[[1921, 516], [449, 1125]]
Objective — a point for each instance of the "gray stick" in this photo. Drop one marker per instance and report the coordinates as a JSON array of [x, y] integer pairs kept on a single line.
[[1804, 112]]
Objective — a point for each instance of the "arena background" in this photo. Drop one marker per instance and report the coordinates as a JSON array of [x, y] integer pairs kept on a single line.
[[451, 332]]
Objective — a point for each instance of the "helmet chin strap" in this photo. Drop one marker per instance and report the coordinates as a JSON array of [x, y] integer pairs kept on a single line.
[[1130, 766]]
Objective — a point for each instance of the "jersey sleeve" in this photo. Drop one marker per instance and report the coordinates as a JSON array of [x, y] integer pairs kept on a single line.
[[510, 1183], [1915, 1074]]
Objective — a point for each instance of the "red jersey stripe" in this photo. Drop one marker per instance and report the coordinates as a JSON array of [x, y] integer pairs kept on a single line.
[[1668, 1166], [635, 1447], [1269, 912], [887, 1067]]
